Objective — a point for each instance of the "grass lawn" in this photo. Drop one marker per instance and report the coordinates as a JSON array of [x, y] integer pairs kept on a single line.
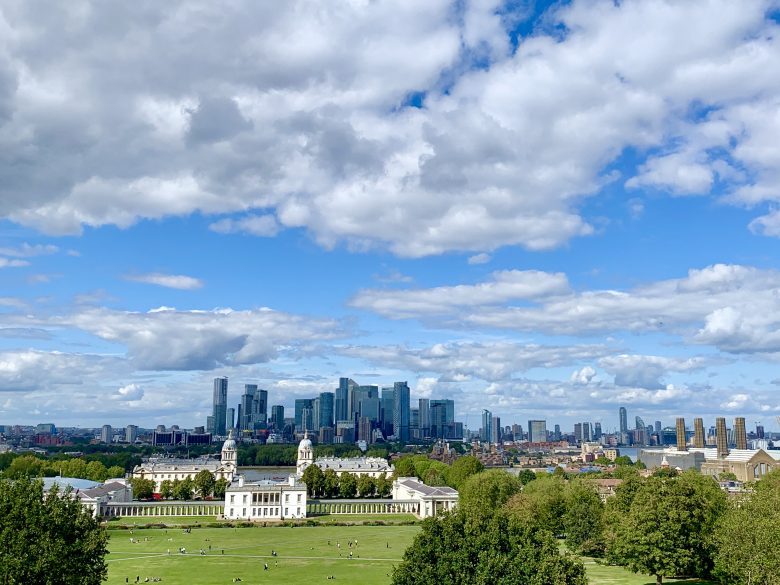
[[304, 555], [605, 575], [358, 518], [169, 520]]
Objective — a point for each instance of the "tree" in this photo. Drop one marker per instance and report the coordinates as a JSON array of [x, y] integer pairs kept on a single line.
[[463, 468], [383, 486], [435, 475], [366, 486], [183, 490], [483, 493], [116, 471], [404, 467], [541, 504], [583, 521], [526, 476], [330, 483], [493, 551], [70, 545], [166, 489], [96, 471], [219, 488], [314, 480], [668, 528], [203, 483], [347, 485], [143, 489], [25, 466], [748, 537]]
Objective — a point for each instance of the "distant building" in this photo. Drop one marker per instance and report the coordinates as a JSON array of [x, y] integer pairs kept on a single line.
[[219, 407], [106, 434], [161, 469], [433, 501], [371, 466], [537, 431], [131, 433], [401, 405], [265, 500]]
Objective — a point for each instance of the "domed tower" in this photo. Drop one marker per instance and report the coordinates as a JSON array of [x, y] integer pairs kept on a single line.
[[229, 456], [305, 454]]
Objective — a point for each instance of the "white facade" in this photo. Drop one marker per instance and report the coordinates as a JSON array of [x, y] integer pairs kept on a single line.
[[433, 500], [371, 466], [265, 500], [159, 470]]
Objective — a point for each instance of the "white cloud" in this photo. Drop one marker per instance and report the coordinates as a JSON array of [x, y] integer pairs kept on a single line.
[[256, 225], [26, 250], [647, 371], [583, 376], [505, 286], [479, 259], [12, 263], [285, 119], [167, 280], [129, 393]]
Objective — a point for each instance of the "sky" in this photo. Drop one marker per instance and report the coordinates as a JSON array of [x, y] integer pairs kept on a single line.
[[548, 210]]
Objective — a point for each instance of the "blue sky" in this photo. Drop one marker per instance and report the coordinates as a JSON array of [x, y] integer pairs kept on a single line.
[[544, 209]]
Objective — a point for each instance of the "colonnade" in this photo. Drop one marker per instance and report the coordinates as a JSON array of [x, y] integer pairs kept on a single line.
[[137, 509], [321, 507]]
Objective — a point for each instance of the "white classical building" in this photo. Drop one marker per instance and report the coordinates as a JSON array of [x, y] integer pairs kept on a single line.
[[93, 495], [161, 469], [432, 500], [371, 466], [265, 500]]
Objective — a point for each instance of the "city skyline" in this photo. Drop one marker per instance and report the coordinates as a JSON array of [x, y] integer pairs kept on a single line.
[[537, 209]]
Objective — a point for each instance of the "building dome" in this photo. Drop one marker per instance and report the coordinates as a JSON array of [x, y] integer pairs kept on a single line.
[[230, 444], [305, 443]]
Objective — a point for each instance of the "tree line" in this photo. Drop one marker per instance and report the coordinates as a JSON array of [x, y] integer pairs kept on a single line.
[[202, 486], [328, 484], [666, 525], [31, 466]]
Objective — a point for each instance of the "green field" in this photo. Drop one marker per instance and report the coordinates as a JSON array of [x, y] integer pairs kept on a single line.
[[305, 554]]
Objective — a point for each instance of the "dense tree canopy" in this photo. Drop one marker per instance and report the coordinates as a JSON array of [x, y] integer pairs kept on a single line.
[[669, 526], [494, 550], [69, 546], [748, 537], [484, 493]]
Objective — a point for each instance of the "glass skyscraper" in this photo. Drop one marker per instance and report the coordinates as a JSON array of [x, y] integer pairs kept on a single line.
[[401, 398], [219, 411]]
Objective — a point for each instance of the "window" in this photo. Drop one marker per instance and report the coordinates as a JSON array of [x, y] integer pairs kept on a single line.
[[243, 513], [286, 511], [286, 498], [299, 497], [232, 501], [245, 498], [232, 513]]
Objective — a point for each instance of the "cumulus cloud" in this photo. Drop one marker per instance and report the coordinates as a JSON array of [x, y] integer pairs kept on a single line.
[[504, 286], [583, 376], [436, 125], [12, 263], [128, 393], [647, 371], [479, 259], [26, 250], [35, 370], [256, 225], [167, 280]]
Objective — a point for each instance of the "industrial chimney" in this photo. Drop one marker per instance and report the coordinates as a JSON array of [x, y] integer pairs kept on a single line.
[[698, 433], [740, 435], [681, 441], [721, 438]]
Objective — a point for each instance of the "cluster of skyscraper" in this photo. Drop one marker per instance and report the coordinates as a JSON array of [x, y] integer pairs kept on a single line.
[[352, 412]]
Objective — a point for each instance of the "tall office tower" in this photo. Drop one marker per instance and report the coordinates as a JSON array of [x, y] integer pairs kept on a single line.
[[557, 433], [307, 418], [759, 431], [442, 413], [578, 432], [209, 425], [740, 434], [277, 416], [424, 408], [231, 418], [302, 404], [623, 414], [414, 423], [401, 399], [246, 422], [537, 431], [721, 438], [341, 403], [315, 416], [586, 431], [327, 400], [681, 441], [657, 426], [597, 431], [387, 411], [260, 407], [131, 433], [219, 411], [698, 433], [495, 430], [487, 426], [106, 434]]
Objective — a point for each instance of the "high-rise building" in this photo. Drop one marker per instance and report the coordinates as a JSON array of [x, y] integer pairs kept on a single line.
[[387, 416], [301, 406], [557, 433], [487, 426], [495, 430], [277, 417], [537, 431], [131, 433], [681, 440], [740, 434], [698, 433], [414, 423], [623, 414], [341, 402], [578, 435], [401, 405], [326, 410], [442, 415], [106, 434], [219, 411], [759, 431], [424, 408], [586, 431], [721, 438], [260, 407], [231, 418], [246, 422]]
